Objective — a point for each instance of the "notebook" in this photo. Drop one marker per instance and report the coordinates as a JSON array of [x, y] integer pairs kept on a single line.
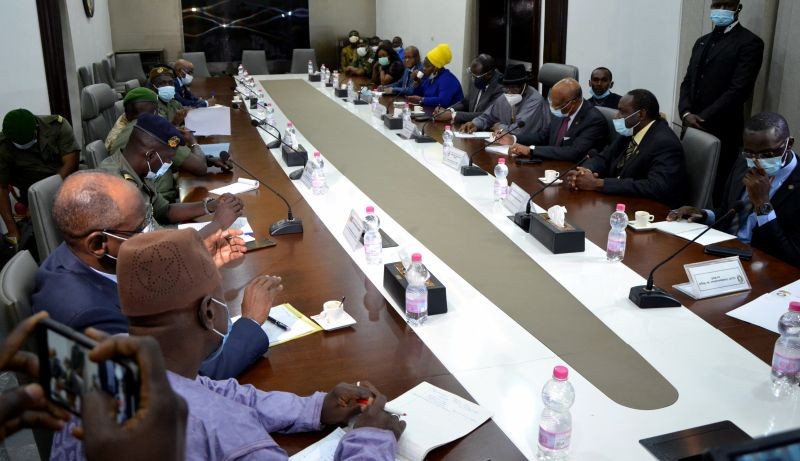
[[299, 325], [240, 224], [240, 186]]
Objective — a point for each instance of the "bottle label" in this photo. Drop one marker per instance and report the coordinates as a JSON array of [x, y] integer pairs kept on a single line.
[[416, 306], [554, 441], [785, 365], [616, 246]]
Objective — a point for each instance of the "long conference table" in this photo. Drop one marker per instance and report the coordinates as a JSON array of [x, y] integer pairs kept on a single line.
[[717, 365]]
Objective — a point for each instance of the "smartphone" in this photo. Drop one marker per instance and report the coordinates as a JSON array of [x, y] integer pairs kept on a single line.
[[66, 373], [745, 254], [258, 244]]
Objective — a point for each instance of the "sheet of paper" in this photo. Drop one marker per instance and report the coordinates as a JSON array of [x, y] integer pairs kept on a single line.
[[322, 450], [688, 230], [215, 149], [500, 150], [477, 134], [765, 310], [434, 417], [240, 186], [209, 121], [241, 224], [299, 325]]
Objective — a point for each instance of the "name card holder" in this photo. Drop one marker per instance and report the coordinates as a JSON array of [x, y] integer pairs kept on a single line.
[[353, 229], [455, 158], [708, 279], [409, 130], [305, 179], [379, 111], [517, 199]]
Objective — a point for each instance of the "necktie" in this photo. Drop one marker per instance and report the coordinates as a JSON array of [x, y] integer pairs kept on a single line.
[[632, 149], [562, 131]]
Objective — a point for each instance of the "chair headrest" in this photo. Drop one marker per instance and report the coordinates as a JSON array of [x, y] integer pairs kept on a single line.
[[95, 99]]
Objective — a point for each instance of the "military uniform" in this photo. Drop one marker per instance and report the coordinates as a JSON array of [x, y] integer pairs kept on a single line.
[[165, 185], [119, 125], [117, 165], [348, 56], [366, 62], [23, 168], [169, 109]]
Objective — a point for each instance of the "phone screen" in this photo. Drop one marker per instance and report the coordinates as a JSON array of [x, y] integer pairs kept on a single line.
[[69, 374]]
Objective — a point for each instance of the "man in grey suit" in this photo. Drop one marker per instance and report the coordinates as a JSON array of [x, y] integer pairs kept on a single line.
[[485, 89]]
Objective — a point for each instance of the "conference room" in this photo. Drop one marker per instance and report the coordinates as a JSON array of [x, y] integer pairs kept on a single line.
[[363, 229]]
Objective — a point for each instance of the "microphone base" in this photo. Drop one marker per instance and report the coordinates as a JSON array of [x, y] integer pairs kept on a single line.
[[296, 174], [650, 299], [472, 170], [424, 139], [523, 220], [285, 226], [274, 144]]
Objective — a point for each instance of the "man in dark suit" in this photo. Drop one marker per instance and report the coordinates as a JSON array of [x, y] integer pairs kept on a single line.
[[96, 212], [576, 127], [645, 161], [719, 80], [766, 178], [486, 87], [600, 84]]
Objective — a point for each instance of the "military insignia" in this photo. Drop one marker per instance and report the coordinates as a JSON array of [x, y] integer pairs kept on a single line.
[[127, 177], [59, 119], [173, 142]]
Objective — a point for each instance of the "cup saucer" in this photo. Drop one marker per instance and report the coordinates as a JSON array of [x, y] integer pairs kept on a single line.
[[547, 181], [645, 228], [344, 321]]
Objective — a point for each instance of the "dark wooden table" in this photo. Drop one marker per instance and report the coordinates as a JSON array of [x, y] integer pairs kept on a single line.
[[381, 348]]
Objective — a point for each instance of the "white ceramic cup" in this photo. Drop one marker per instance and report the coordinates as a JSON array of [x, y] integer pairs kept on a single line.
[[418, 109], [550, 175], [332, 311], [643, 218]]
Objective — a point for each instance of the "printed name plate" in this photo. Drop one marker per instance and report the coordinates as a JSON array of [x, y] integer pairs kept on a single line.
[[353, 230], [714, 278], [455, 158], [517, 199]]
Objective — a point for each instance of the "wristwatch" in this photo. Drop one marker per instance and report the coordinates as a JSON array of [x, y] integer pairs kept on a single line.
[[764, 209], [205, 204], [452, 111]]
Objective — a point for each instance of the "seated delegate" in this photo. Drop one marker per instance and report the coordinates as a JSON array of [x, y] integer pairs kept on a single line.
[[405, 85], [388, 67], [486, 88], [438, 86]]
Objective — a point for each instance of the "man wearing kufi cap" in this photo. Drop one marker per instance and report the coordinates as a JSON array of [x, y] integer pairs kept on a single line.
[[32, 148], [170, 289], [521, 102], [148, 156], [438, 86]]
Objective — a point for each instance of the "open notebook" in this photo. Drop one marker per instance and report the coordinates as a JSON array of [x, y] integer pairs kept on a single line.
[[434, 417], [299, 325]]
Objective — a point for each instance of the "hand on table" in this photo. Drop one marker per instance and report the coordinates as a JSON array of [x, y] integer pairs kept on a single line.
[[219, 163], [226, 209], [518, 150], [413, 99], [212, 101], [442, 114], [342, 403], [469, 128], [375, 416], [180, 117], [259, 297], [225, 246], [689, 213], [583, 179]]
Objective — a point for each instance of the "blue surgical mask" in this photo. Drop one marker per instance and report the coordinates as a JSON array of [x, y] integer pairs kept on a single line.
[[162, 170], [187, 79], [622, 127], [225, 336], [722, 18], [384, 61], [166, 93], [399, 49], [771, 165], [25, 146], [558, 112], [600, 96]]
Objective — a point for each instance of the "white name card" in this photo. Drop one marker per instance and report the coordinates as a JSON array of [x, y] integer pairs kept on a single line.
[[455, 158], [353, 230], [409, 129], [517, 199], [379, 110], [306, 178], [714, 278]]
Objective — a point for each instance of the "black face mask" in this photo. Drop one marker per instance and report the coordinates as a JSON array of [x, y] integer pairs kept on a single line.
[[480, 83]]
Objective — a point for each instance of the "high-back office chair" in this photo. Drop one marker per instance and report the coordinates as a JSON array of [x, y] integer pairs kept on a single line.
[[701, 150], [98, 112], [84, 78], [255, 61], [119, 108], [300, 58], [95, 154], [102, 74], [41, 197], [129, 67], [198, 60], [550, 73], [609, 114]]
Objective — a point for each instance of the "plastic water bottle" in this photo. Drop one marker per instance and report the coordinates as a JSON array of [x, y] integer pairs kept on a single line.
[[291, 136], [416, 291], [270, 114], [447, 139], [318, 183], [555, 426], [786, 358], [240, 71], [261, 112], [373, 246], [406, 114], [615, 250], [310, 67], [351, 91], [335, 79], [500, 180]]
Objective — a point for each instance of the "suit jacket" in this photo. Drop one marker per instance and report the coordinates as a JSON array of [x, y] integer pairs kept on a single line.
[[77, 296], [657, 172], [589, 131], [470, 107], [781, 236], [184, 96], [533, 110], [718, 89]]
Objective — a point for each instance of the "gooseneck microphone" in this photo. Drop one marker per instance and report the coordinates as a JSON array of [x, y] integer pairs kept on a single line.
[[473, 170], [523, 219], [290, 225], [294, 175], [649, 296]]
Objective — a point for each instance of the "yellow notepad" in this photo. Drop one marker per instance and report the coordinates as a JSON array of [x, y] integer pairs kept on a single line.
[[299, 325]]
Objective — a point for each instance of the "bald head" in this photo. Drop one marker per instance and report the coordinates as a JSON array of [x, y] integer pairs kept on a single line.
[[566, 96], [93, 200], [182, 64]]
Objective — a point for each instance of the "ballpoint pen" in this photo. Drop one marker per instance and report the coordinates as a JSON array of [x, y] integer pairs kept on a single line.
[[278, 324]]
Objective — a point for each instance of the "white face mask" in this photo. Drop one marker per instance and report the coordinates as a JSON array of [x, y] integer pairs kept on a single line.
[[25, 146], [187, 79], [354, 39], [361, 51], [162, 170], [374, 48], [513, 99]]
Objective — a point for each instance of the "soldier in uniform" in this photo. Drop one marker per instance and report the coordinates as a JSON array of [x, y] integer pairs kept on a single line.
[[349, 51], [32, 148], [162, 81], [147, 156], [362, 64]]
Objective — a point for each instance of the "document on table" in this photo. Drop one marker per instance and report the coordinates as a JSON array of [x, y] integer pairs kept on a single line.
[[477, 134], [689, 230], [500, 150], [209, 121], [240, 186], [240, 224], [765, 310], [322, 450], [299, 325]]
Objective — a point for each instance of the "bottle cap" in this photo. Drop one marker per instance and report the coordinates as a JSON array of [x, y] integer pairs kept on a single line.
[[620, 207], [370, 209], [794, 306], [560, 373], [447, 127], [269, 104], [416, 258], [406, 105], [501, 161], [317, 154], [289, 124]]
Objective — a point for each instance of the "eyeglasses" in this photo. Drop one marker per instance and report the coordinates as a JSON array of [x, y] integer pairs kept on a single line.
[[770, 153], [147, 225], [469, 71], [562, 107]]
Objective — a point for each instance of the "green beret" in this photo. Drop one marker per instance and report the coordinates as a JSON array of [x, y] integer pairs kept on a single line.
[[140, 94], [19, 126]]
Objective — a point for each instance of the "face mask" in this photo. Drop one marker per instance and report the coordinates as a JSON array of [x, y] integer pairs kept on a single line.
[[513, 99], [374, 49], [384, 61], [600, 96], [479, 82], [558, 112], [622, 127], [354, 39], [166, 93], [770, 165], [161, 171], [187, 79], [361, 51], [218, 351], [722, 18], [25, 146], [399, 49]]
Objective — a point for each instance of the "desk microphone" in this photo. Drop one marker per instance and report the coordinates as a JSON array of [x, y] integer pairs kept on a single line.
[[649, 296], [523, 219], [282, 227], [422, 138], [472, 170], [258, 123]]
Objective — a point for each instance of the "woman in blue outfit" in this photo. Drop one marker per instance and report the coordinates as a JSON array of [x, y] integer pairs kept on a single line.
[[439, 87]]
